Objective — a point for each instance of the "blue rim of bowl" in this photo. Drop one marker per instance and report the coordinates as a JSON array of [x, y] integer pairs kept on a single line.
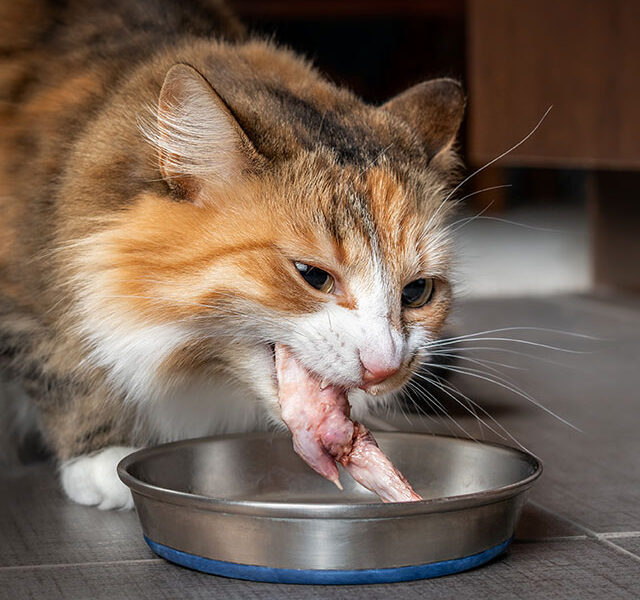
[[326, 576]]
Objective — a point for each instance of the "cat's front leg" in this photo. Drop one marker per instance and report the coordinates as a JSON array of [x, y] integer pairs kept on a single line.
[[89, 431], [92, 479]]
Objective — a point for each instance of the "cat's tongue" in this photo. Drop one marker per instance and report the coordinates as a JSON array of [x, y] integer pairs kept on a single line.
[[323, 433]]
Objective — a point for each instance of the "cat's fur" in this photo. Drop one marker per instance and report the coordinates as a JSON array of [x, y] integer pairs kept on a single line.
[[149, 224]]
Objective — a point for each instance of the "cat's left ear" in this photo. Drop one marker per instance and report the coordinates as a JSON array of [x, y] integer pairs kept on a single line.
[[199, 141], [434, 110]]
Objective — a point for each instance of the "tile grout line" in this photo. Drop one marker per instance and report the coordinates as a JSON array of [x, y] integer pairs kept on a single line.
[[619, 534], [617, 548], [602, 538], [99, 563], [556, 538]]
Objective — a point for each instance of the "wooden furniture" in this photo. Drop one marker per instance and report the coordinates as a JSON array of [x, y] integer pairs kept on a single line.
[[335, 9], [583, 58]]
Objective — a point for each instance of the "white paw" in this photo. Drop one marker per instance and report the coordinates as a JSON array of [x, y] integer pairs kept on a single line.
[[92, 480]]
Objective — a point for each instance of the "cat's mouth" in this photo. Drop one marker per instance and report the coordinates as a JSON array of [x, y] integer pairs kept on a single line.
[[324, 382], [394, 383]]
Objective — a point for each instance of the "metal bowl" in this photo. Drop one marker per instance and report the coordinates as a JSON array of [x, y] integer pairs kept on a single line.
[[247, 506]]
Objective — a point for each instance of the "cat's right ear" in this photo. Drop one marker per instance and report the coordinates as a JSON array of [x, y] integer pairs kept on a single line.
[[198, 139]]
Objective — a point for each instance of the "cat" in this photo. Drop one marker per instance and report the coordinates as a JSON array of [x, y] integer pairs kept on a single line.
[[177, 197]]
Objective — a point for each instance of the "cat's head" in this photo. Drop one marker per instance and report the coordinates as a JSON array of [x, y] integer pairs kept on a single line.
[[328, 235]]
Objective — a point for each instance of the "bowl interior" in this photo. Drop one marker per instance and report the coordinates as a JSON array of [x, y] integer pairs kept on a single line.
[[264, 467]]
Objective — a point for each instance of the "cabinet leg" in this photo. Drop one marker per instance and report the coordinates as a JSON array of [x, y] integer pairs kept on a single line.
[[614, 206]]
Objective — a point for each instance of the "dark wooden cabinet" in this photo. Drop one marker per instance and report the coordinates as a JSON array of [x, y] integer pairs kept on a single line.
[[583, 58]]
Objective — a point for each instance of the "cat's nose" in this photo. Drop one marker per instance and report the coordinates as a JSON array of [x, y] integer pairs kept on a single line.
[[381, 355], [376, 368]]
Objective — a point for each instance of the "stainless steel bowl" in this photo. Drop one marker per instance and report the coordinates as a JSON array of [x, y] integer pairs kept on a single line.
[[247, 506]]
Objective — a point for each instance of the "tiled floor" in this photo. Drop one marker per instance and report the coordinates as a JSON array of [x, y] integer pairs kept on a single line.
[[579, 537]]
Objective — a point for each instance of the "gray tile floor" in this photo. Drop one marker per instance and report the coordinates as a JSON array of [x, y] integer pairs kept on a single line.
[[579, 536]]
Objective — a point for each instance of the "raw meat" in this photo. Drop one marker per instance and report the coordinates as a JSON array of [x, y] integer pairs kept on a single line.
[[323, 433]]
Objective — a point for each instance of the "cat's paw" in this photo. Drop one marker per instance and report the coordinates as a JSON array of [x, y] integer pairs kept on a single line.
[[92, 480]]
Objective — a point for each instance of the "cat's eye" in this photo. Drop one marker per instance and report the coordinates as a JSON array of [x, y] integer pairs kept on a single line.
[[315, 277], [417, 293]]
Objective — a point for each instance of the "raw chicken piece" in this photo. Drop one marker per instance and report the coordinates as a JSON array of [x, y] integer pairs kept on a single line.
[[369, 466], [323, 434]]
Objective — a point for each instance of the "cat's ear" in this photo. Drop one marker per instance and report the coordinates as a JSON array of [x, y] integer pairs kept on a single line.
[[198, 139], [434, 110]]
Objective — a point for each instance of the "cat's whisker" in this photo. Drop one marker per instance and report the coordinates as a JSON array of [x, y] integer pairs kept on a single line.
[[446, 199], [459, 349], [459, 341], [434, 400], [447, 231], [455, 390], [439, 408], [460, 223], [501, 156], [439, 382], [469, 408], [480, 361], [501, 339], [517, 224], [523, 328], [476, 192], [508, 386], [403, 412]]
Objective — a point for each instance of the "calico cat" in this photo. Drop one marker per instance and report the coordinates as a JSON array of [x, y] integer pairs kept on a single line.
[[177, 198]]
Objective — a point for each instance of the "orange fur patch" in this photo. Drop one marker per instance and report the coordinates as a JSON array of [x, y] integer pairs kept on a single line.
[[165, 261]]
